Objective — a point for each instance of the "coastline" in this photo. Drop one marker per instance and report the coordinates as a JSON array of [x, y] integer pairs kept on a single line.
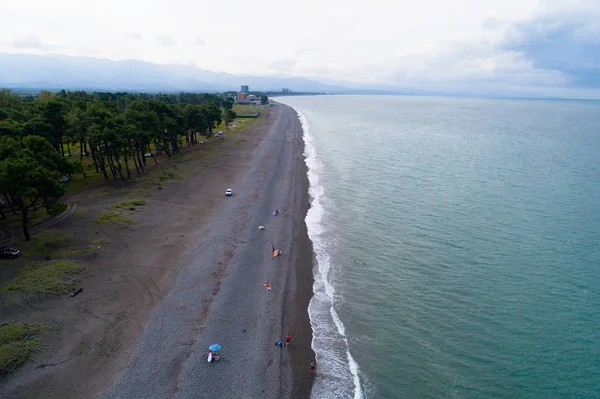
[[205, 276], [220, 298], [298, 299]]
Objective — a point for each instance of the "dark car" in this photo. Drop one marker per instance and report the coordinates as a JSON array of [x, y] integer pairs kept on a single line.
[[9, 253]]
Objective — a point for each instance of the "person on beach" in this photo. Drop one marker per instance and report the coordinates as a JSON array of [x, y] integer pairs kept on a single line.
[[267, 285], [276, 212], [273, 250], [215, 357], [288, 338], [312, 366], [279, 343], [285, 211]]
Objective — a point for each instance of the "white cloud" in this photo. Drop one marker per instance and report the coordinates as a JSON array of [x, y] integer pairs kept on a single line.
[[403, 42], [32, 42], [165, 40]]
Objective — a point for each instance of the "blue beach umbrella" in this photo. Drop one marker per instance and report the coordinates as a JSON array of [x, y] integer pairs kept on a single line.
[[214, 347]]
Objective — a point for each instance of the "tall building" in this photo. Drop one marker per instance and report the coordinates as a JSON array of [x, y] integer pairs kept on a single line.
[[245, 89]]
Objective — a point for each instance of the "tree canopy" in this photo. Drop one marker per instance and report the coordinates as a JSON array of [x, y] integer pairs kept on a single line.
[[114, 130]]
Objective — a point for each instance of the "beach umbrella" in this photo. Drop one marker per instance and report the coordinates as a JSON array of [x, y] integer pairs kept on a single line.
[[214, 347]]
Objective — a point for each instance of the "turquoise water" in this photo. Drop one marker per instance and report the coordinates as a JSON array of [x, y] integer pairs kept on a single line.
[[458, 246]]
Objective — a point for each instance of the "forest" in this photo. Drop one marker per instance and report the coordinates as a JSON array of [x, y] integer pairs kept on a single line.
[[44, 138]]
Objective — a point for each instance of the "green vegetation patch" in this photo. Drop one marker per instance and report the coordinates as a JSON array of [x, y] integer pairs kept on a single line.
[[50, 277], [168, 175], [46, 242], [79, 183], [18, 341], [34, 216], [114, 217], [57, 208], [130, 204]]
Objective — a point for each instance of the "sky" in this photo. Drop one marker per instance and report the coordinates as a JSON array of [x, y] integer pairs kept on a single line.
[[548, 46]]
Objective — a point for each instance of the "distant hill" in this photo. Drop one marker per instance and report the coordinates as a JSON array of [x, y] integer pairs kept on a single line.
[[59, 71]]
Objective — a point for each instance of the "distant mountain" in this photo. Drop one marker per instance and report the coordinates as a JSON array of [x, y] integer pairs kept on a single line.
[[59, 71]]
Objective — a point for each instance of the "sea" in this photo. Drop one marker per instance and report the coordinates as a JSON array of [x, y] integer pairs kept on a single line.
[[457, 244]]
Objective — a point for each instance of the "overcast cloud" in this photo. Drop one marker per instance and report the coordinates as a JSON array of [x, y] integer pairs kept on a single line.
[[550, 45]]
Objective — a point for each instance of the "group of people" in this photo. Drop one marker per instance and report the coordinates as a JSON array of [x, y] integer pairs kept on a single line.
[[276, 252], [288, 338], [276, 213], [212, 356], [267, 285]]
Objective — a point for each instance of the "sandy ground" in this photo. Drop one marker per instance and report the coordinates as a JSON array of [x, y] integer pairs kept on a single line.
[[188, 275]]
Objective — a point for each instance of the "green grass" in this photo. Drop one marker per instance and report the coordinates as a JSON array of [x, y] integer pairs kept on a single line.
[[50, 277], [34, 216], [130, 204], [114, 217], [57, 208], [79, 183], [18, 341], [90, 249], [249, 108], [167, 175], [237, 139], [46, 242], [74, 149]]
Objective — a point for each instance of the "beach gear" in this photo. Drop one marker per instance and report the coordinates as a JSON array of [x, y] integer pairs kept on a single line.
[[210, 357], [214, 347]]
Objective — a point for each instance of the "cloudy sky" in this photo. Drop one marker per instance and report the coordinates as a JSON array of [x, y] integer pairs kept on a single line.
[[549, 45]]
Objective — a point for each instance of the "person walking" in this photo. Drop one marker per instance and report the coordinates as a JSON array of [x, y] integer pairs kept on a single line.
[[288, 338]]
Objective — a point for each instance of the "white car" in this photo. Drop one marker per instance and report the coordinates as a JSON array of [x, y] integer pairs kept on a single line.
[[228, 192]]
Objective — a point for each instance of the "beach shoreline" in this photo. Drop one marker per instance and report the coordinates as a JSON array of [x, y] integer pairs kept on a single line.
[[208, 265], [298, 300], [220, 295]]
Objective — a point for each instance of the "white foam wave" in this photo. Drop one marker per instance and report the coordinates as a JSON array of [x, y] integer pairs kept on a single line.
[[338, 373]]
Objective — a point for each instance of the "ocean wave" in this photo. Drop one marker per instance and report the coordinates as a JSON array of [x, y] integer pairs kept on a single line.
[[338, 373]]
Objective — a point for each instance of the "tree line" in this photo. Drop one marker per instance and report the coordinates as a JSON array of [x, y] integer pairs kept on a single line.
[[44, 138]]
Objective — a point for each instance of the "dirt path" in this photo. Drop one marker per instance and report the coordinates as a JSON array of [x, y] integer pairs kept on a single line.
[[135, 269], [11, 235]]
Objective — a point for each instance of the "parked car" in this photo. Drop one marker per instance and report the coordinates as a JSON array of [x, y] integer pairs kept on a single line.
[[64, 178], [228, 192], [9, 253]]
